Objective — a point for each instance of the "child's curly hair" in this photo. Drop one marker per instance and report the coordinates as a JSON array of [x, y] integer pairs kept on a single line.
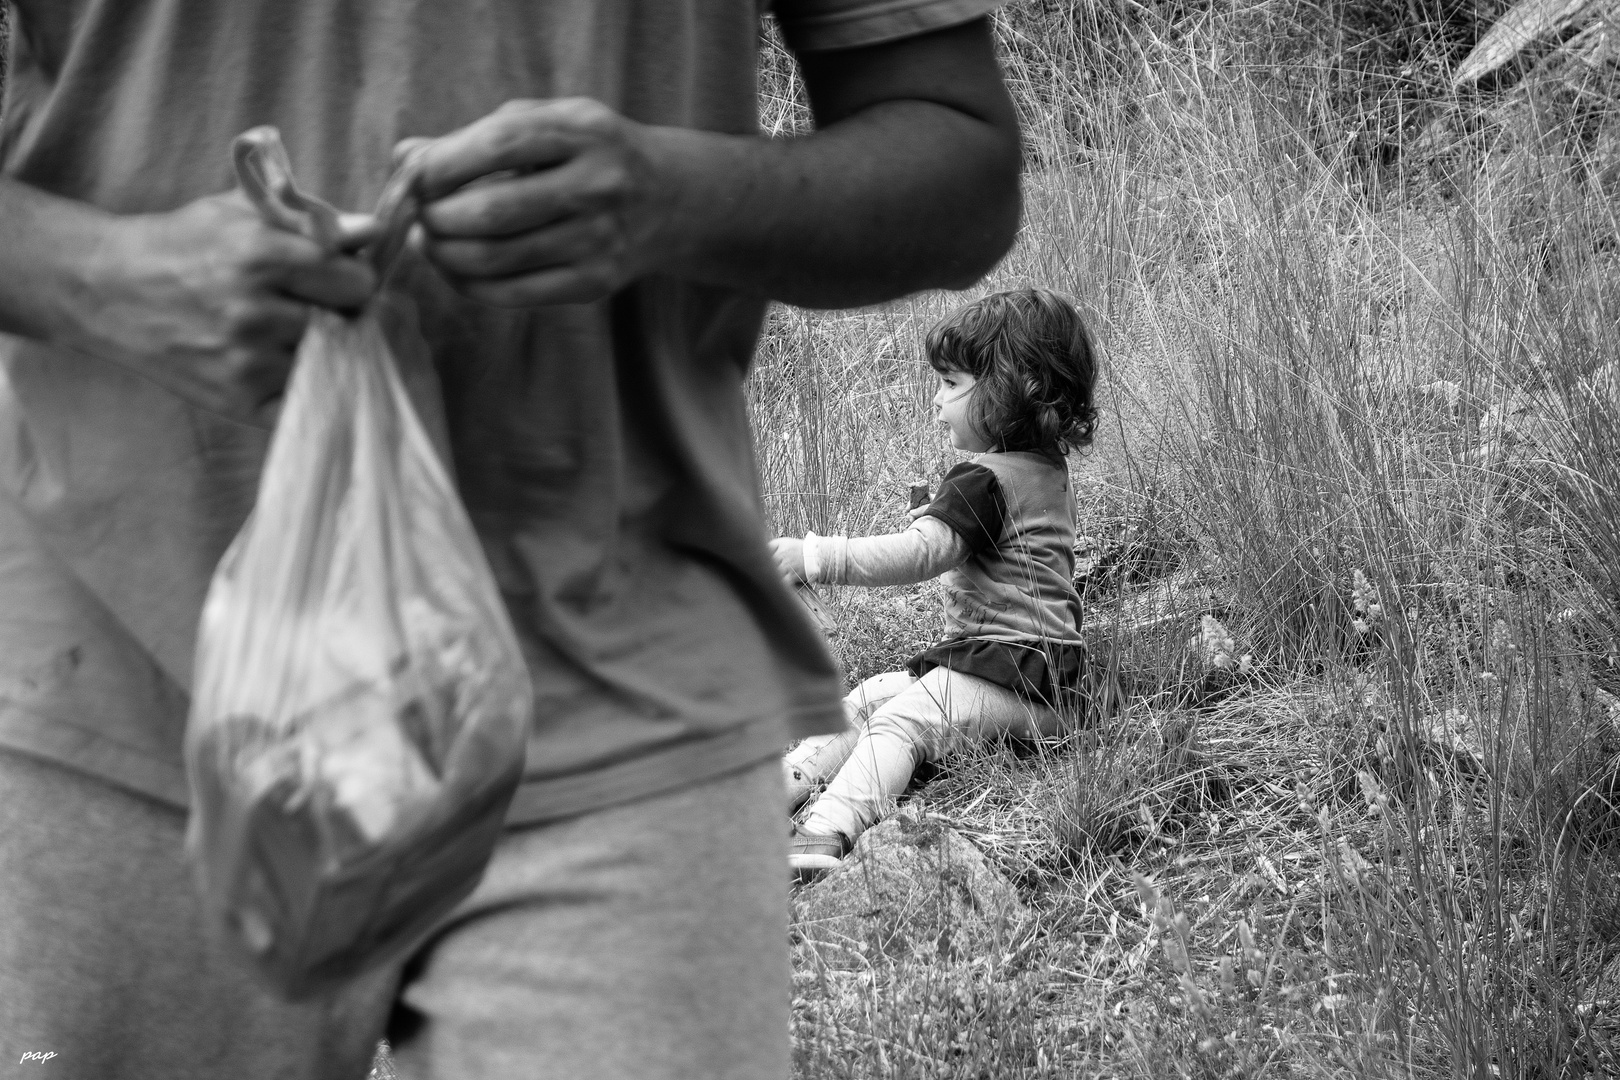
[[1033, 366]]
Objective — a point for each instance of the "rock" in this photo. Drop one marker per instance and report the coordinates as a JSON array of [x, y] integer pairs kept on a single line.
[[911, 886]]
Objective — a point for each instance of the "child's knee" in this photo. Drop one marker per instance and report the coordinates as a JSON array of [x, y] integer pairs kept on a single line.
[[915, 720], [873, 693]]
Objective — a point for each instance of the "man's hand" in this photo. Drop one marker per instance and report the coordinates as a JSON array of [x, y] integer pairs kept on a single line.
[[910, 182], [567, 207], [207, 300], [788, 551], [210, 301]]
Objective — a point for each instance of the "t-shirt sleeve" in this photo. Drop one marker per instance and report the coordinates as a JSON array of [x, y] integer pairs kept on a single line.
[[818, 25], [971, 502]]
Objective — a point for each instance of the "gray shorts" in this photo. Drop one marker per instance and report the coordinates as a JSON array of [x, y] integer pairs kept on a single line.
[[646, 940]]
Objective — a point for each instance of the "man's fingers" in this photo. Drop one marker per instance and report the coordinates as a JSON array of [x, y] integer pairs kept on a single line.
[[517, 203], [528, 205], [574, 240], [577, 284], [520, 136], [405, 147], [338, 282]]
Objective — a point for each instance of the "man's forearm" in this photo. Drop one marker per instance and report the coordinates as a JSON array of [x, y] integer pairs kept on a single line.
[[904, 195]]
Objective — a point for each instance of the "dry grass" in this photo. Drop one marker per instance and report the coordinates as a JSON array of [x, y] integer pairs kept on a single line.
[[1360, 331]]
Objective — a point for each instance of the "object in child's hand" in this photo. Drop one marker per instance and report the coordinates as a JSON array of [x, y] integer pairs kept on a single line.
[[919, 495], [361, 706], [817, 607]]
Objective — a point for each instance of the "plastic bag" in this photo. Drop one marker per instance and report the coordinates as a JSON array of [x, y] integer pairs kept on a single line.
[[361, 706]]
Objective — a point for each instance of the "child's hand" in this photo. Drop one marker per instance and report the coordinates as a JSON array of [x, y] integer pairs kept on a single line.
[[789, 554], [917, 511]]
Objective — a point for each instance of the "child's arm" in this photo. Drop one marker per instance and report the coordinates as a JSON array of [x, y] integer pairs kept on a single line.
[[966, 516], [925, 550]]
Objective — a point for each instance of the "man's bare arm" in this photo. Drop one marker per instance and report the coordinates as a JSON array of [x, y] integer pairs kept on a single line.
[[910, 182]]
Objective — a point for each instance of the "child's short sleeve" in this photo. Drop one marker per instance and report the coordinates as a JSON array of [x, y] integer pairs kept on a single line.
[[815, 25], [971, 502]]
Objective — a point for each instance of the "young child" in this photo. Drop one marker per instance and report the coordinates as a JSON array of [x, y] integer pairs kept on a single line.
[[1016, 373]]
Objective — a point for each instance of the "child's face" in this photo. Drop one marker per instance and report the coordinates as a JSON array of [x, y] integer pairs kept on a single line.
[[951, 409]]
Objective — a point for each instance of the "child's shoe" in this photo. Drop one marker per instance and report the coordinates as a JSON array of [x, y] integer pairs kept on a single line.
[[811, 856]]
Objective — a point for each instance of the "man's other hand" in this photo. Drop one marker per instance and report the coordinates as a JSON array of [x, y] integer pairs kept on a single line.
[[207, 300], [541, 202], [909, 182]]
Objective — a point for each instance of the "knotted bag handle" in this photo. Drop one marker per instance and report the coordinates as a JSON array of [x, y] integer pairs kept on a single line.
[[265, 173]]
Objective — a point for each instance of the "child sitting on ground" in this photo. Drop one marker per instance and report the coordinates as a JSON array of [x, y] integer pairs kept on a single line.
[[1016, 373]]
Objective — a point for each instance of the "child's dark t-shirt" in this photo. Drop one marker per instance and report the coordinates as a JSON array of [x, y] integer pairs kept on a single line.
[[1011, 610]]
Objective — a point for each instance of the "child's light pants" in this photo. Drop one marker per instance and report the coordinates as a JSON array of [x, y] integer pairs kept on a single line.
[[906, 721]]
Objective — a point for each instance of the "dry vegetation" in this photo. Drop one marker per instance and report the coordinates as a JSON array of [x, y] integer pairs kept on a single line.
[[1361, 330]]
